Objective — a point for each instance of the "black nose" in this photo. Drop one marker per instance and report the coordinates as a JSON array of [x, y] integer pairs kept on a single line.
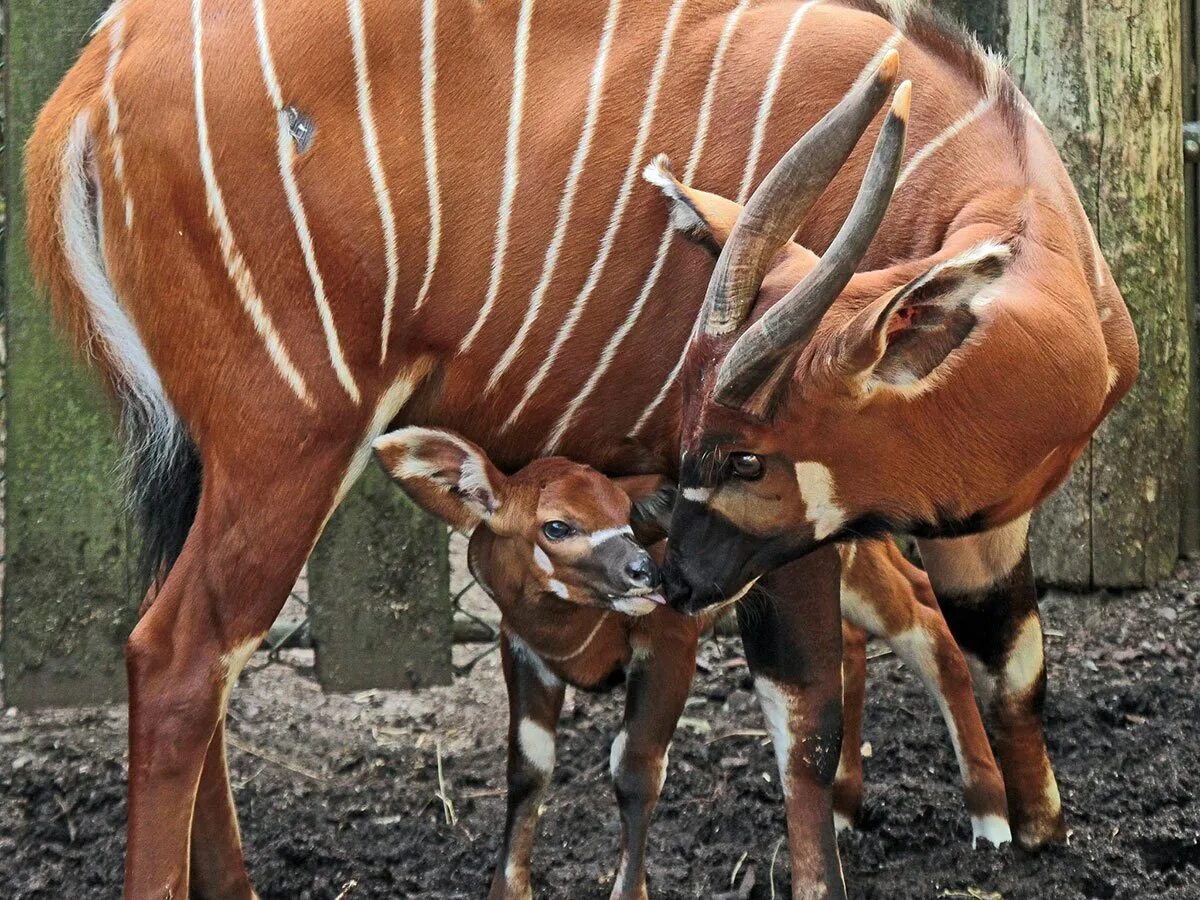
[[641, 571]]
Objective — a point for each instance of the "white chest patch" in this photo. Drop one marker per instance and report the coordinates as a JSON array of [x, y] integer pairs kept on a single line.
[[818, 492]]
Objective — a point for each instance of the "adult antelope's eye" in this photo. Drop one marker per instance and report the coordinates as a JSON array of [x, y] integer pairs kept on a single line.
[[556, 530], [746, 466]]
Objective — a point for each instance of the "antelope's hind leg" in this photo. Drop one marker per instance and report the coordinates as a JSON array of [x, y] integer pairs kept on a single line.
[[985, 586], [892, 599], [256, 523], [535, 699]]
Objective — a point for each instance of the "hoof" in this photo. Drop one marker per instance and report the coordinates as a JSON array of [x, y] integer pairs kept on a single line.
[[992, 829], [1035, 835]]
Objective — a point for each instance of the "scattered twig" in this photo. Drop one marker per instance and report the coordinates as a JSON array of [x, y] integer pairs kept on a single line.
[[347, 888], [746, 732], [283, 764], [737, 868], [882, 651], [66, 814], [774, 854], [443, 794]]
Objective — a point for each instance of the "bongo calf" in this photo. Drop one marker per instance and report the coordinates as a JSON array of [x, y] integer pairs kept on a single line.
[[559, 548]]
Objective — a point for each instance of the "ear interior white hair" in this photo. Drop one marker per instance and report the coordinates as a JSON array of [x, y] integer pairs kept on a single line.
[[684, 216], [472, 485]]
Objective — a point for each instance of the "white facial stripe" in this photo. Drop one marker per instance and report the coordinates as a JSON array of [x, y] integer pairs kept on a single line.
[[383, 197], [286, 149], [542, 560], [618, 213], [512, 172], [559, 589], [696, 495], [817, 490], [235, 264], [567, 202], [116, 42], [537, 745], [596, 538], [429, 142], [1025, 660], [768, 99]]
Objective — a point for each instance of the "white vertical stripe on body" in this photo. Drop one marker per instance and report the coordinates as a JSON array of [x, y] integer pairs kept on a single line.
[[664, 245], [618, 213], [235, 263], [429, 141], [768, 98], [890, 44], [383, 197], [567, 202], [945, 136], [287, 157], [116, 44], [512, 172]]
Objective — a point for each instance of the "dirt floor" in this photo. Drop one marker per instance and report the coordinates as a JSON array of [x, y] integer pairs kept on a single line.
[[338, 795]]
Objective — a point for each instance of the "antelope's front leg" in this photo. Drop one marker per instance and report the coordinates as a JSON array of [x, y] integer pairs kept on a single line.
[[535, 699], [657, 689], [985, 586], [793, 641]]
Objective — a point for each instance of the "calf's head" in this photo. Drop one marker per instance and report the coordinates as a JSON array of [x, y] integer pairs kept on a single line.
[[554, 527], [820, 402]]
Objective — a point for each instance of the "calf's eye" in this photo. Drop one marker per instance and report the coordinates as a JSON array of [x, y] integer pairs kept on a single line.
[[556, 530], [746, 466]]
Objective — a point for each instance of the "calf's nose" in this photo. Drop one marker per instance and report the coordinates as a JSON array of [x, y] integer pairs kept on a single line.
[[641, 571]]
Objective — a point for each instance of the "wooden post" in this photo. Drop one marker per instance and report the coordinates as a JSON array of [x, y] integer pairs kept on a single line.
[[69, 596], [1107, 83], [379, 585]]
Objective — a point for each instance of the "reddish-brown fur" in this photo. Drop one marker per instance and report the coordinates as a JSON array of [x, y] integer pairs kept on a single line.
[[277, 457]]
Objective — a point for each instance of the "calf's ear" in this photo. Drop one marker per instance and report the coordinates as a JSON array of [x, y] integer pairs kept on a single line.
[[445, 474]]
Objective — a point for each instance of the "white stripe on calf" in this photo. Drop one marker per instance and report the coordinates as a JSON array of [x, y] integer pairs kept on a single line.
[[768, 99], [512, 173], [537, 745], [287, 156], [235, 264], [567, 202], [543, 560], [429, 140], [618, 213], [383, 197]]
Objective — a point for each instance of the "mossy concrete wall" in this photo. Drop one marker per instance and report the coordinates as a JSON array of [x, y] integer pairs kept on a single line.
[[69, 600], [379, 582]]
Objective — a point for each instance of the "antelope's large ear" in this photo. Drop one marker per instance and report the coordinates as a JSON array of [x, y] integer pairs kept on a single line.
[[703, 218], [445, 474], [903, 336], [653, 502]]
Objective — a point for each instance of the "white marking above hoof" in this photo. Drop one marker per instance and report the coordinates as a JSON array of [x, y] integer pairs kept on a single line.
[[842, 822], [991, 828]]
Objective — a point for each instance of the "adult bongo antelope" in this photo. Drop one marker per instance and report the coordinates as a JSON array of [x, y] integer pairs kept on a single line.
[[558, 547], [280, 228]]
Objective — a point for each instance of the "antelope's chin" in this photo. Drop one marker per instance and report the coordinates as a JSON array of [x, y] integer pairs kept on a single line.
[[638, 605]]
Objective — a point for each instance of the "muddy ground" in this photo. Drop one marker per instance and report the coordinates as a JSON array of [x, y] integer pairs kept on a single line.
[[338, 794]]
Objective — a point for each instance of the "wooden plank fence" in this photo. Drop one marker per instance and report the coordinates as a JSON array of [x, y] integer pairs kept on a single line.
[[1108, 83]]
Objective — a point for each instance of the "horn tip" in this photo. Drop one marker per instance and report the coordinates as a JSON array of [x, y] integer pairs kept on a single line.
[[889, 66], [902, 102]]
